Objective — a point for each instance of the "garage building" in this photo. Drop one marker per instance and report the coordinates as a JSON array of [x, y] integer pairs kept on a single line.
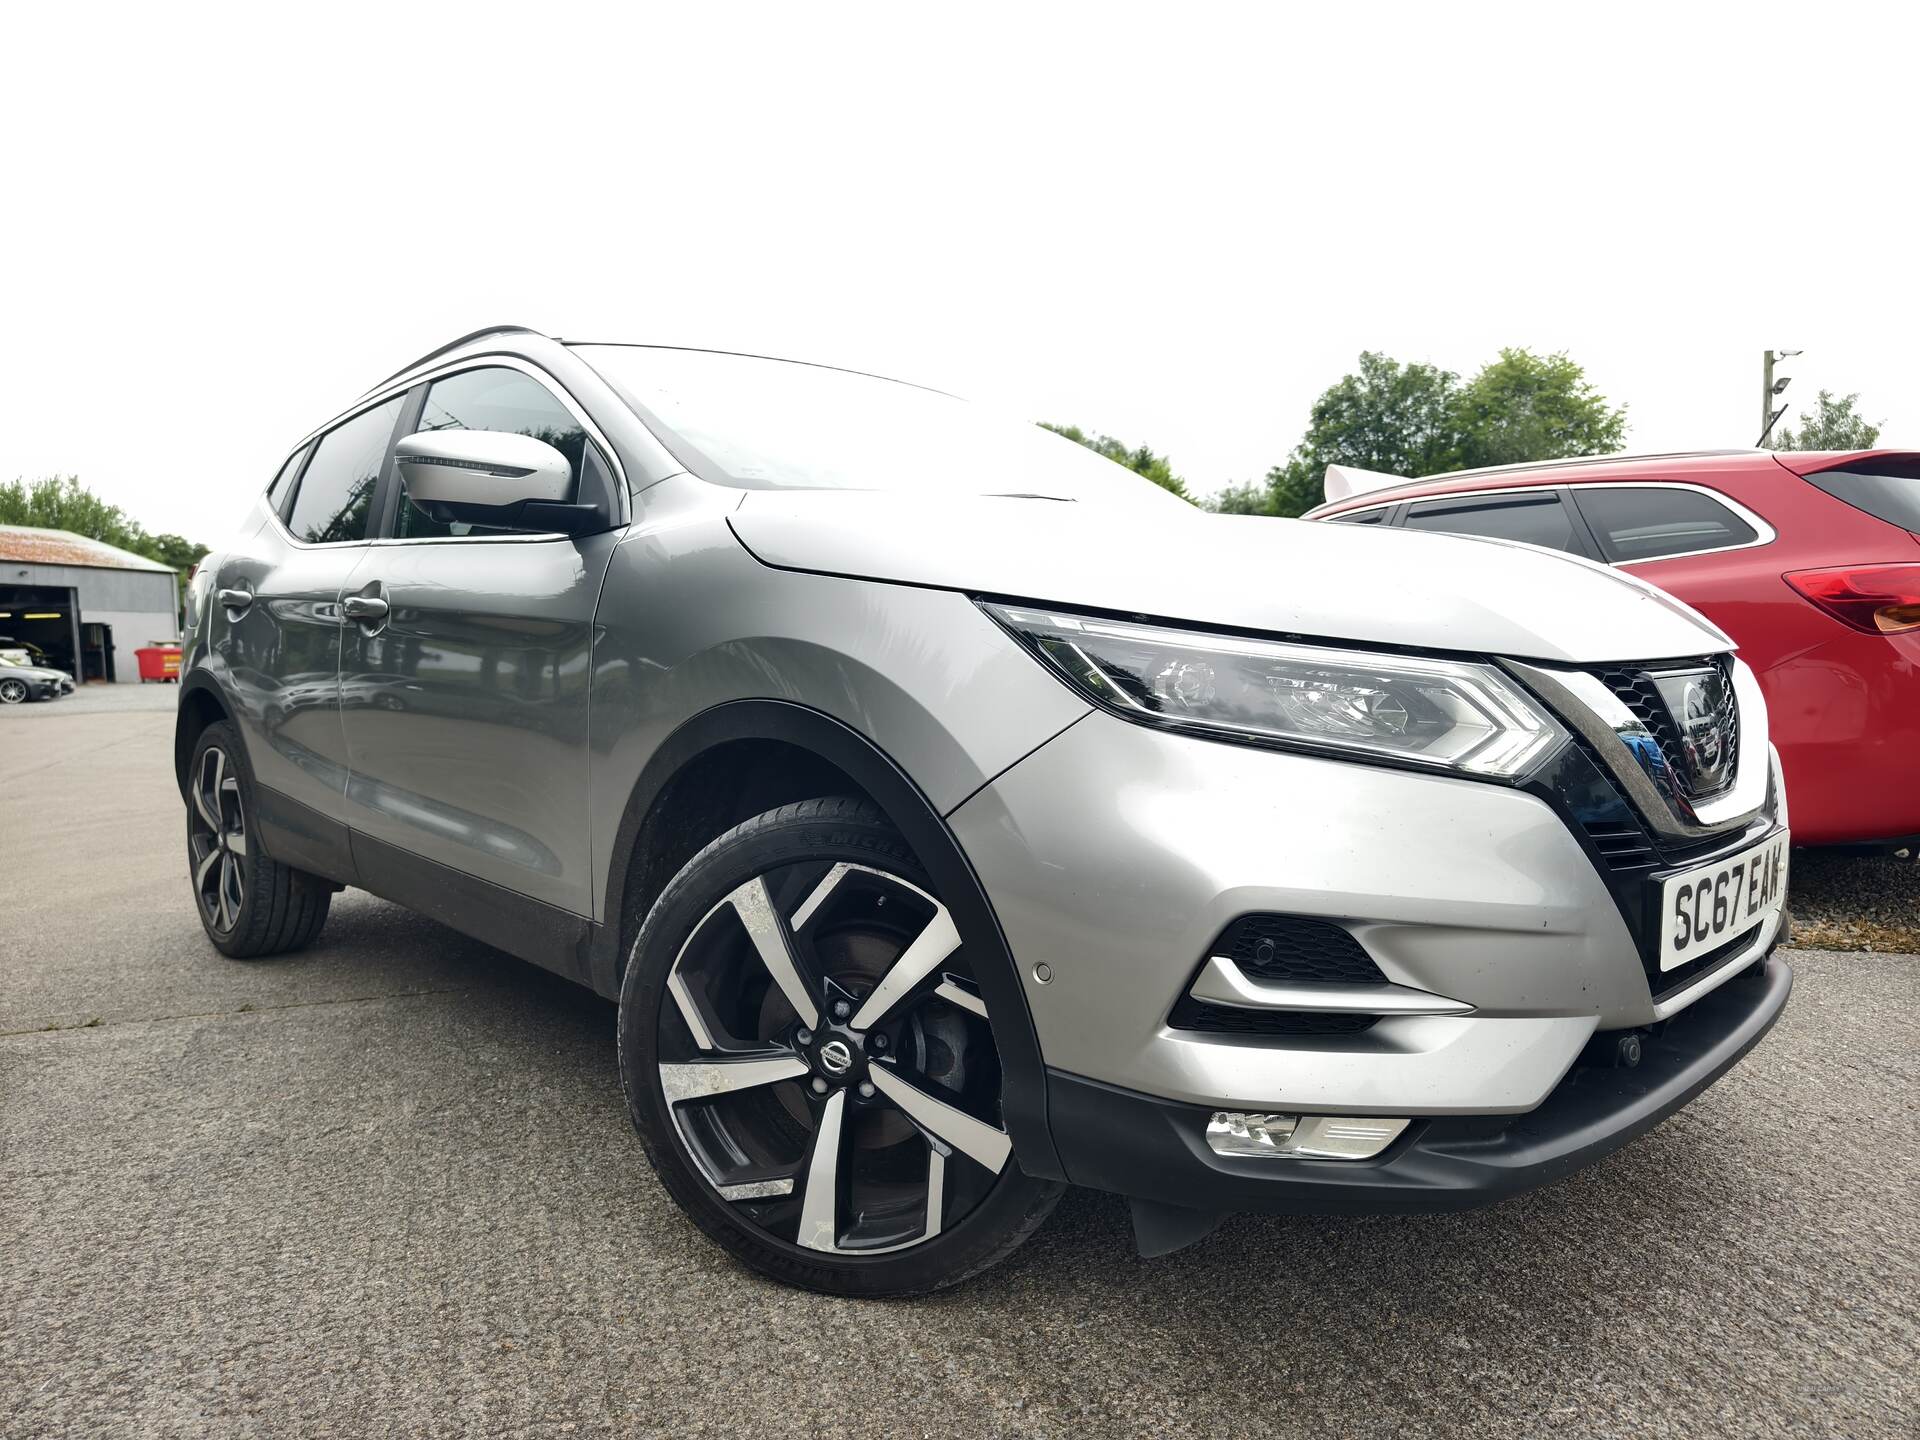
[[83, 604]]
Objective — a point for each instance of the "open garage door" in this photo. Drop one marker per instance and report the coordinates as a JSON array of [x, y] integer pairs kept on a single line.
[[40, 619]]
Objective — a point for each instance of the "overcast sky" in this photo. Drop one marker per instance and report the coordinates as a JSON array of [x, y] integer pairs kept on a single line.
[[1177, 224]]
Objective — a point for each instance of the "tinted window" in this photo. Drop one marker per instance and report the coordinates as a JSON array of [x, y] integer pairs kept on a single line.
[[493, 399], [1635, 524], [277, 490], [1890, 497], [1536, 519], [336, 492], [1359, 517]]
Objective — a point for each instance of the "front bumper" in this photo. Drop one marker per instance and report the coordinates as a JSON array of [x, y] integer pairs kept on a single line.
[[1156, 1150], [1116, 854]]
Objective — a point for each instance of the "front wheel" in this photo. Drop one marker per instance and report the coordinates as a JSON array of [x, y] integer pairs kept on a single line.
[[810, 1064], [13, 692]]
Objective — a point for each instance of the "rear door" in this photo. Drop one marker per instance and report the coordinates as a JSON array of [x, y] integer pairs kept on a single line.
[[465, 705], [278, 631]]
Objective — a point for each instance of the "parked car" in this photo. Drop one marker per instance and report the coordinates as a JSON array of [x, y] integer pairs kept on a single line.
[[1810, 560], [955, 815], [21, 680]]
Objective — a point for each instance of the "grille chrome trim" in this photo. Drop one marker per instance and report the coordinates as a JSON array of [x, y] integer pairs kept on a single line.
[[1688, 708], [1222, 982], [1635, 761]]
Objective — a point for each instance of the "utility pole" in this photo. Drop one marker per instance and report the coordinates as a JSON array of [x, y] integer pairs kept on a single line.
[[1766, 397], [1769, 389]]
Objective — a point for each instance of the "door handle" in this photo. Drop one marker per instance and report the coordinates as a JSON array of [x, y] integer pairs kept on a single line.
[[235, 599], [364, 608]]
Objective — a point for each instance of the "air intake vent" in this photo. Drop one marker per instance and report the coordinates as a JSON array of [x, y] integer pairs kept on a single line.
[[1295, 949], [1192, 1014], [1622, 844]]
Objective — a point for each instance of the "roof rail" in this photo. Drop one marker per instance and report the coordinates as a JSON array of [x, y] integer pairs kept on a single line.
[[1573, 460], [484, 331], [1347, 482]]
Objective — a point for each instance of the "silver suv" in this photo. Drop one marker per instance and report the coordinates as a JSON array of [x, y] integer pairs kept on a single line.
[[955, 815]]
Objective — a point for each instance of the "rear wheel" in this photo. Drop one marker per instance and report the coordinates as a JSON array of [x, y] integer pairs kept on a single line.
[[250, 904], [811, 1066]]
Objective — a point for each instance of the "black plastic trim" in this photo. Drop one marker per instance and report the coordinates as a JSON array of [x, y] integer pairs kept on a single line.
[[550, 937], [300, 836], [1024, 1092], [1156, 1150]]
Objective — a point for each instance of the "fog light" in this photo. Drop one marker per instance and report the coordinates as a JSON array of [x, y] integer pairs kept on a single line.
[[1306, 1137]]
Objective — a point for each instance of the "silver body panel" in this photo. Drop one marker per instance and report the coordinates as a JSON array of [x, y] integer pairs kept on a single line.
[[690, 621], [465, 712], [1282, 577], [1471, 891]]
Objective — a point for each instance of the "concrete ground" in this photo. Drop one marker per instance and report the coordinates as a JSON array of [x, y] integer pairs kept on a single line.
[[389, 1187]]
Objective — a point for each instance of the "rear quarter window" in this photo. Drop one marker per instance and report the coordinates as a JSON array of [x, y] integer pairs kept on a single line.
[[1889, 492], [277, 491], [1649, 522]]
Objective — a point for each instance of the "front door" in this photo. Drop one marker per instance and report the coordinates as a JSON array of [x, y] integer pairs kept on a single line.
[[464, 695]]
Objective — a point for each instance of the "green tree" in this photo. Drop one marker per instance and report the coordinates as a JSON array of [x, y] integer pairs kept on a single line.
[[1833, 424], [1530, 407], [61, 502], [1418, 419], [1138, 459]]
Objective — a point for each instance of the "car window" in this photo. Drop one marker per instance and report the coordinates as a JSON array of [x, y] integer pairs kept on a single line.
[[1645, 523], [276, 492], [494, 398], [1360, 517], [1535, 519], [335, 497], [1892, 497]]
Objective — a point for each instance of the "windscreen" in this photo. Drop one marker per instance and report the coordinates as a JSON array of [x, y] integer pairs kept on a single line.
[[1891, 492], [780, 425]]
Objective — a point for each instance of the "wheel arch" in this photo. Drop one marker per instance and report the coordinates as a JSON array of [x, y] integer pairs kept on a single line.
[[200, 706], [655, 827]]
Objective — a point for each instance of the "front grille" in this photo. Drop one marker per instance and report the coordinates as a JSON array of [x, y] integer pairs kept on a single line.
[[1294, 948], [1192, 1014], [1639, 691], [1681, 976]]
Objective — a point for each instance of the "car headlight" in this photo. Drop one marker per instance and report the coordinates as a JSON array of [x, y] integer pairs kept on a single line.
[[1449, 714]]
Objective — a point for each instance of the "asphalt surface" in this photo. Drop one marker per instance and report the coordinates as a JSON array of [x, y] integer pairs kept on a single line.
[[389, 1187]]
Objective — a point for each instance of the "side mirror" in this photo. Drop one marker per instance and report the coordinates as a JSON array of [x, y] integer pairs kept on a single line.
[[491, 477]]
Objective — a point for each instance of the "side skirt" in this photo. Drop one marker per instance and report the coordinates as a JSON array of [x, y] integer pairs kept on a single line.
[[555, 939], [300, 836]]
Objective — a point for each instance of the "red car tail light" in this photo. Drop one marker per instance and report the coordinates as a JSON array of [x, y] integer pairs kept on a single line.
[[1879, 599]]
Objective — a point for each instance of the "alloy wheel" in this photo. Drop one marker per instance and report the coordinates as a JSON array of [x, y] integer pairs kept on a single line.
[[827, 1061], [217, 840], [12, 692]]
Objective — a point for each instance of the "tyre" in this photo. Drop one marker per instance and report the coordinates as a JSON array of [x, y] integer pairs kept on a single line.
[[13, 692], [251, 905], [810, 1066]]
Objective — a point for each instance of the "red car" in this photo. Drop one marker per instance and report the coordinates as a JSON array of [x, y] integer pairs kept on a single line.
[[1809, 560]]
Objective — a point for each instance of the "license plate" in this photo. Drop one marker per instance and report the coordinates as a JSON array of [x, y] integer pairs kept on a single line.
[[1709, 906]]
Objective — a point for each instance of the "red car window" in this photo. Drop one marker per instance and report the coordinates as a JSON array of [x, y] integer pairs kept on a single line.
[[1647, 522]]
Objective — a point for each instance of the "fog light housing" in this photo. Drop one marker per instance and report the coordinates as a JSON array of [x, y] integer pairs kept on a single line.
[[1304, 1137]]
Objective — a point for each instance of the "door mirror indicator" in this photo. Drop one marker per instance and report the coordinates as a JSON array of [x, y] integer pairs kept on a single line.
[[494, 478]]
